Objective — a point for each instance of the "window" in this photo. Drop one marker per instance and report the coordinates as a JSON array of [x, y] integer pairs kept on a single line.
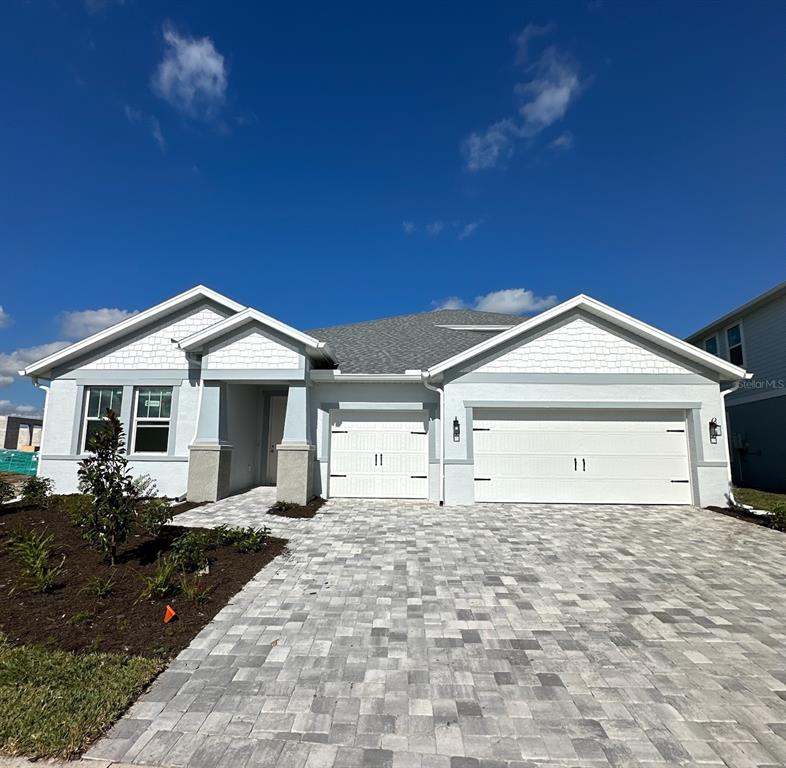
[[99, 399], [734, 341], [711, 345], [152, 413]]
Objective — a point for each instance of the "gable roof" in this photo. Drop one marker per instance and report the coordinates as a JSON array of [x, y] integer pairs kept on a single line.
[[191, 296], [251, 316], [403, 343], [772, 293], [727, 371]]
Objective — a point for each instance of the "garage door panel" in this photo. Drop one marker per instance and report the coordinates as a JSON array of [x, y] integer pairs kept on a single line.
[[379, 454], [615, 457]]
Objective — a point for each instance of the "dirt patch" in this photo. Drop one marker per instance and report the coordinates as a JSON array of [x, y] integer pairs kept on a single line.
[[297, 511], [187, 506], [73, 619]]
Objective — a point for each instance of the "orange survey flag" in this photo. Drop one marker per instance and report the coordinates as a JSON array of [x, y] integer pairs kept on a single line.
[[169, 614]]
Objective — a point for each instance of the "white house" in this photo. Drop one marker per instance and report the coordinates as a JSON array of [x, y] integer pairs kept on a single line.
[[581, 403]]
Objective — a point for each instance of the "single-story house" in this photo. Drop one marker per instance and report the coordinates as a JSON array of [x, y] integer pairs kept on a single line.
[[579, 404]]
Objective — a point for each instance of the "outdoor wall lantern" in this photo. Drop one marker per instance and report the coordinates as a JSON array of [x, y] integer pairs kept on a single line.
[[456, 430], [715, 430]]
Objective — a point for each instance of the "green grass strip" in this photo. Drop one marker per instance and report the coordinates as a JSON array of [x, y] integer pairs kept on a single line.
[[54, 703]]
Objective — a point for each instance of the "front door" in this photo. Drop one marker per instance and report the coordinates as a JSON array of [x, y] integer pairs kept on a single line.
[[275, 434]]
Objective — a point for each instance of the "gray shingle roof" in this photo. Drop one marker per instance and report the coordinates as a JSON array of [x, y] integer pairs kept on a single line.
[[408, 342]]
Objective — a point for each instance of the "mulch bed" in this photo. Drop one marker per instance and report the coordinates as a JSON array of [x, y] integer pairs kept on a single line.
[[309, 510], [71, 619], [748, 517]]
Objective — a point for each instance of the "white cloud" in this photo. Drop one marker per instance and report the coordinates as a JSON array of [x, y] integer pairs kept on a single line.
[[544, 98], [408, 227], [5, 318], [8, 408], [12, 362], [469, 229], [78, 325], [149, 122], [192, 76], [563, 142], [435, 227], [510, 301]]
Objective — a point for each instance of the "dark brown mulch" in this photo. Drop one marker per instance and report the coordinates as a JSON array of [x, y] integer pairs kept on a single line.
[[72, 619], [187, 506], [740, 514], [309, 510]]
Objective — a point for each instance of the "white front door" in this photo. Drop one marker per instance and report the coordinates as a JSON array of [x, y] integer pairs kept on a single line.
[[275, 433], [614, 457], [379, 454]]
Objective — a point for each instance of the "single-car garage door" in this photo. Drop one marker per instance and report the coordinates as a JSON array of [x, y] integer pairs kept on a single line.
[[379, 454], [615, 457]]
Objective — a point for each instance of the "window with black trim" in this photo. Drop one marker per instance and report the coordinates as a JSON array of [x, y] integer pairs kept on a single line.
[[711, 345], [152, 415], [97, 401], [734, 343]]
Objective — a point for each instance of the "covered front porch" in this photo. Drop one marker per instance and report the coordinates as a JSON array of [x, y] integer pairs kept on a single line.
[[249, 434]]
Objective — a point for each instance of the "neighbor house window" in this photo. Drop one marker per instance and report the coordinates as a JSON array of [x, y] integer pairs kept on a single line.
[[734, 342], [711, 345], [152, 412], [99, 400]]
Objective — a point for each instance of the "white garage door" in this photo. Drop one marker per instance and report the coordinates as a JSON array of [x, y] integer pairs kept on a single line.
[[379, 454], [613, 457]]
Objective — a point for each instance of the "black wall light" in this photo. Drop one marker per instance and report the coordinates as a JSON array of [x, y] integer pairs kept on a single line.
[[456, 430], [715, 430]]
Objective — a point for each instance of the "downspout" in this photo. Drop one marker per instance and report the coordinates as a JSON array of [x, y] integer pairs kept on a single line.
[[37, 384], [441, 392], [727, 437]]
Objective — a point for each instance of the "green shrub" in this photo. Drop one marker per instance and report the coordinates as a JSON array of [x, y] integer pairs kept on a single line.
[[194, 589], [36, 491], [104, 475], [99, 586], [244, 539], [33, 552], [76, 506], [283, 506], [153, 514], [161, 583], [190, 550], [778, 516], [7, 491]]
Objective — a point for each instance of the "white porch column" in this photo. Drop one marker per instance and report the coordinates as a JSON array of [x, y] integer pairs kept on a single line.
[[210, 454], [295, 476]]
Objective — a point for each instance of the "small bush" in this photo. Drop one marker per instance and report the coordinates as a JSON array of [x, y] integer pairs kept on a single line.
[[778, 516], [244, 539], [36, 491], [33, 552], [161, 583], [76, 506], [190, 550], [283, 506], [194, 589], [99, 586], [153, 515], [6, 491]]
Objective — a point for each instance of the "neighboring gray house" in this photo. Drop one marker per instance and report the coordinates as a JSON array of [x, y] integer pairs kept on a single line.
[[754, 336], [581, 403]]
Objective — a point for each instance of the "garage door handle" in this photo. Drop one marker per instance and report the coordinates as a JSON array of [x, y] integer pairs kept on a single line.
[[575, 464], [375, 459], [583, 465], [419, 477]]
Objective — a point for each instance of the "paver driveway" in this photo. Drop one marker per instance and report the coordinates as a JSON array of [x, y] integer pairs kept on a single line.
[[402, 634]]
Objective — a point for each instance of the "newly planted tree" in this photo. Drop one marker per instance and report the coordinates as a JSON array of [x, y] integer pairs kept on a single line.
[[104, 475]]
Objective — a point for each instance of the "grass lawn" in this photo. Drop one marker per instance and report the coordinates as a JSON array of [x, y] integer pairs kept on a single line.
[[759, 499], [54, 703]]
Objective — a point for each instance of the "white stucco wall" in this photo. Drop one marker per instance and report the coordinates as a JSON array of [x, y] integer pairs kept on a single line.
[[251, 350], [580, 347]]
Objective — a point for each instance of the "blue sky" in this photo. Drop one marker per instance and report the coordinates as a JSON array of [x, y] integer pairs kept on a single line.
[[329, 163]]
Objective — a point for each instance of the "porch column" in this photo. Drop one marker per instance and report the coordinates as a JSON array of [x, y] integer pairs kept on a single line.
[[295, 476], [210, 454]]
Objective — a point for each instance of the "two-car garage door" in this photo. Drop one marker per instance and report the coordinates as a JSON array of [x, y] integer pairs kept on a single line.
[[572, 456]]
